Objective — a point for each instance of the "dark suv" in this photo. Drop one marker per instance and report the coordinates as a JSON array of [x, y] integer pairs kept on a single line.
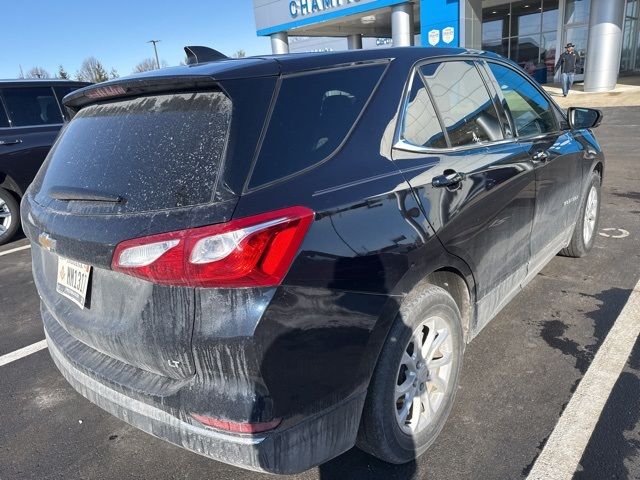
[[268, 260], [31, 115]]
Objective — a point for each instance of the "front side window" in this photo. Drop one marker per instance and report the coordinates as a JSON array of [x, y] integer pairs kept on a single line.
[[530, 111], [468, 113], [32, 106], [420, 124], [313, 114]]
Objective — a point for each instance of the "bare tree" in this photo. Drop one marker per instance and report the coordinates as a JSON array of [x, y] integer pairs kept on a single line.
[[92, 70], [113, 74], [38, 72], [240, 54], [145, 65], [148, 64], [62, 73]]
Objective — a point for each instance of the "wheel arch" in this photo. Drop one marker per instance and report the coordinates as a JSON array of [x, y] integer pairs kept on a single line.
[[9, 184], [599, 169], [448, 272], [454, 282]]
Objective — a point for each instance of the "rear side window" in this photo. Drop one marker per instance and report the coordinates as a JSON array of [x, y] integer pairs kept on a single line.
[[60, 93], [157, 152], [4, 121], [312, 116], [420, 125], [32, 106], [467, 111], [529, 109]]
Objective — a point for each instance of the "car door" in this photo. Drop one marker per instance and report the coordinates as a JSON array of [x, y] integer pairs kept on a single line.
[[556, 157], [474, 180], [34, 121]]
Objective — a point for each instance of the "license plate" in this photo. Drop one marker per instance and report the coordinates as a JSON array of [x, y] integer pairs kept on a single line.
[[73, 280]]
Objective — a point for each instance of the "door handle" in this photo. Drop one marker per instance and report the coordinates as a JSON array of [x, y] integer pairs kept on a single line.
[[450, 178], [540, 156], [10, 142]]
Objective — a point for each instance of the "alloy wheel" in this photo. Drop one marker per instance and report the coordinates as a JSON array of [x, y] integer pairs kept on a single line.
[[423, 375], [5, 217], [590, 215]]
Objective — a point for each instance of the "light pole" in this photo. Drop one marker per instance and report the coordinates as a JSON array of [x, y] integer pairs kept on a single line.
[[155, 49]]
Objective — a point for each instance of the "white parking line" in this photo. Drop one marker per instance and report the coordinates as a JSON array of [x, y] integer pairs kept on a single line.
[[17, 249], [23, 352], [561, 454]]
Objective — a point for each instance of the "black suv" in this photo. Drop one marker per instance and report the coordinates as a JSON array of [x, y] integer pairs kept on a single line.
[[31, 115], [268, 260]]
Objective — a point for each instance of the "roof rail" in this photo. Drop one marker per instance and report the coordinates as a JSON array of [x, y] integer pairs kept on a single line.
[[197, 54]]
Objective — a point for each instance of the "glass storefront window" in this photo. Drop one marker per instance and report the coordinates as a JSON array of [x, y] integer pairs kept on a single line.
[[576, 30], [626, 59], [524, 31], [500, 46], [550, 15], [637, 64], [578, 36], [525, 51], [495, 24], [630, 57], [577, 11], [548, 45], [525, 17], [492, 30]]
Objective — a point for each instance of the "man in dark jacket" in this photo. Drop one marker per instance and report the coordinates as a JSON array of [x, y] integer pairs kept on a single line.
[[568, 61]]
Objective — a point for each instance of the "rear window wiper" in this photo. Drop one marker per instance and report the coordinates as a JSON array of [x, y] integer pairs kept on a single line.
[[74, 194]]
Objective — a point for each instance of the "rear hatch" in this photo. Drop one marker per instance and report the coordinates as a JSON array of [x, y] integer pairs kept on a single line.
[[125, 168]]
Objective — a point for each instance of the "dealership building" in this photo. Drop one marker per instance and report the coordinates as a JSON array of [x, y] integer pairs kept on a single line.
[[530, 32]]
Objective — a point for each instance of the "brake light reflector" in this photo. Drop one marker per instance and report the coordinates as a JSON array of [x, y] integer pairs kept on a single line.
[[252, 251], [237, 427], [107, 91]]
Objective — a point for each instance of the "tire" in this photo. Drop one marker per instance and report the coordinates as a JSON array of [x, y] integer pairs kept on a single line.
[[381, 433], [589, 215], [9, 216]]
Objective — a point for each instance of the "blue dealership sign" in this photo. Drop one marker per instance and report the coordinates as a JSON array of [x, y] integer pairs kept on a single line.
[[440, 23]]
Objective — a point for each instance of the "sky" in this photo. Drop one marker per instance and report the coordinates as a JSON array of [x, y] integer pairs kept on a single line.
[[48, 33]]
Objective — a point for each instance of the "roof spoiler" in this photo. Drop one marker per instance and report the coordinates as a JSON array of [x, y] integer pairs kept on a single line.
[[197, 55], [130, 87]]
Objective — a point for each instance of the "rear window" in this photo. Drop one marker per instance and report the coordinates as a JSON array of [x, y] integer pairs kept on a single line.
[[313, 114], [156, 152]]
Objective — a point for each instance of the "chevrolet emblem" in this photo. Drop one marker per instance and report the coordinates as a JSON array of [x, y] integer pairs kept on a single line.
[[46, 242]]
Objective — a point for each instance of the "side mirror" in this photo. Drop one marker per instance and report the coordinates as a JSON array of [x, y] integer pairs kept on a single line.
[[583, 117]]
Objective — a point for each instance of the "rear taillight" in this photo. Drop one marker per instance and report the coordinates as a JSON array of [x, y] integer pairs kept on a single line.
[[249, 252]]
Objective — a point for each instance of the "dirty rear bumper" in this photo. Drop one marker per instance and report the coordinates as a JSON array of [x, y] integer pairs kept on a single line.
[[292, 450]]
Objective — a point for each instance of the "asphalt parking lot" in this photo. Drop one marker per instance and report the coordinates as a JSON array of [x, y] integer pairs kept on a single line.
[[518, 376]]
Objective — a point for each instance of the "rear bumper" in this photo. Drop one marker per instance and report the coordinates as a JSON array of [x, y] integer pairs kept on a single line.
[[310, 442]]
